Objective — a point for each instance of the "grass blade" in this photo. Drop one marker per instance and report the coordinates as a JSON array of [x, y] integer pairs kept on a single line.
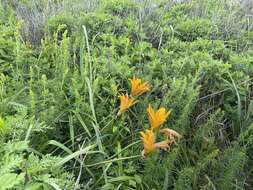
[[60, 145], [78, 116], [76, 154]]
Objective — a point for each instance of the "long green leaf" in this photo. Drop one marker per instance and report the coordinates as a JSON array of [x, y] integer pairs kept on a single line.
[[76, 154], [60, 145], [82, 123]]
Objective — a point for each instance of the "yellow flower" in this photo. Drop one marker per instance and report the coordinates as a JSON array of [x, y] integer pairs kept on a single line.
[[148, 140], [171, 134], [137, 87], [157, 118], [126, 102]]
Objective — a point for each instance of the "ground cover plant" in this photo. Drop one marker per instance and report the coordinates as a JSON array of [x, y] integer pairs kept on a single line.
[[126, 94]]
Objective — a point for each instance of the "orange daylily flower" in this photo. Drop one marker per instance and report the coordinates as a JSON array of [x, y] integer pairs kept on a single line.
[[148, 140], [126, 102], [137, 87], [157, 118], [171, 134]]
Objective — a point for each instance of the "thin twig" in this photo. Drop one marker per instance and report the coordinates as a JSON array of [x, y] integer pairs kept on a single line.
[[224, 90]]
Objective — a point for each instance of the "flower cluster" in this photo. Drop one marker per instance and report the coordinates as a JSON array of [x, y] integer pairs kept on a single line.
[[137, 89], [156, 119]]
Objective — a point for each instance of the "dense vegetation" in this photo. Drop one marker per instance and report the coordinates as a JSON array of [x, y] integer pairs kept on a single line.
[[64, 64]]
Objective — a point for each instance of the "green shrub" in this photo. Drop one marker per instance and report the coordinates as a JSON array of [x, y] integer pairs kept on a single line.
[[190, 30]]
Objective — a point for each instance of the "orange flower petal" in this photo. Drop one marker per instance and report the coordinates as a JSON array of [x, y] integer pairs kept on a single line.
[[137, 87], [126, 102], [148, 140], [157, 118]]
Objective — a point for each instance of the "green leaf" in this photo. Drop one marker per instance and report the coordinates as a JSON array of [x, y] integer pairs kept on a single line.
[[10, 180], [75, 155]]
